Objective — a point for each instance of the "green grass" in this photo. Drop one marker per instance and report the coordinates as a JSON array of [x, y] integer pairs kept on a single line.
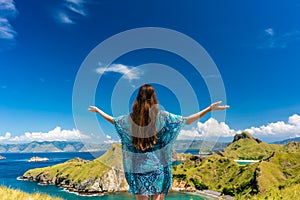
[[9, 194]]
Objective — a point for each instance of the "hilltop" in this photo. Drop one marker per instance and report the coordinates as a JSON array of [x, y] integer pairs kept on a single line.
[[245, 147]]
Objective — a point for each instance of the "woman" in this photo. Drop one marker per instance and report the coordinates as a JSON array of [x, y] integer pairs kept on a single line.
[[147, 136]]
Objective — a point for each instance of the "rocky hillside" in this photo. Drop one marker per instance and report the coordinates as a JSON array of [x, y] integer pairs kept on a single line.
[[274, 177], [104, 174]]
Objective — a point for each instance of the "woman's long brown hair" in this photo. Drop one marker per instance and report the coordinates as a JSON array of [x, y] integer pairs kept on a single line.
[[144, 115]]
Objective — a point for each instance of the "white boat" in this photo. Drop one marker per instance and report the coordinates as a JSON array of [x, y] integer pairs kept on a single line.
[[37, 159]]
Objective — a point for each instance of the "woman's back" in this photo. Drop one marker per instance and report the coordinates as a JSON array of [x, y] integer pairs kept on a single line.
[[149, 171]]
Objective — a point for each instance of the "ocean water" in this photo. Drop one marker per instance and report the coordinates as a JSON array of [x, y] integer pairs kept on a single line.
[[16, 164]]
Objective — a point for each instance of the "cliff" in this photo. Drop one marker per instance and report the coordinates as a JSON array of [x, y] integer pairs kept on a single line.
[[104, 174]]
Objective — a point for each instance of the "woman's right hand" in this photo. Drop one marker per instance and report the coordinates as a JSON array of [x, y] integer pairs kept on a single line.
[[93, 109]]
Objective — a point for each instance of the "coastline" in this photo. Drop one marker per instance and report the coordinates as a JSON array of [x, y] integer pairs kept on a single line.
[[213, 195], [70, 189], [207, 193]]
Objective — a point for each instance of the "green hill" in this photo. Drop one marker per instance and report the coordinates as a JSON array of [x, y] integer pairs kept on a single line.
[[216, 173], [275, 176], [104, 174], [246, 147]]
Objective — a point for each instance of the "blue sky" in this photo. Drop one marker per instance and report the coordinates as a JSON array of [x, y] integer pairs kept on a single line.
[[254, 44]]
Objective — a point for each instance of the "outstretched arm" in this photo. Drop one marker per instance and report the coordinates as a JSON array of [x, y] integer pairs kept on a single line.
[[103, 114], [215, 106]]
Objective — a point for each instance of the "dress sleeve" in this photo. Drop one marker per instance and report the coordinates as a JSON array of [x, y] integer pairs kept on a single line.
[[173, 125], [121, 126]]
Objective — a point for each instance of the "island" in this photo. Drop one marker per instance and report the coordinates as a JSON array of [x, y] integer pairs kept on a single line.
[[37, 159], [2, 157]]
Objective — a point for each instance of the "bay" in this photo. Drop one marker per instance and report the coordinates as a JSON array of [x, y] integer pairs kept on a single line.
[[17, 163]]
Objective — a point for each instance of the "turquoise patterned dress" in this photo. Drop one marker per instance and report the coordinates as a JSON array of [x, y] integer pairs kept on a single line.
[[149, 172]]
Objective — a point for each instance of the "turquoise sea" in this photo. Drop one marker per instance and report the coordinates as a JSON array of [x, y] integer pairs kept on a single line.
[[16, 164]]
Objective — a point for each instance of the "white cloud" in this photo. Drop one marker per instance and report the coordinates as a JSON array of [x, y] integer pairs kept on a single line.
[[210, 128], [269, 31], [63, 18], [279, 129], [6, 30], [129, 73], [189, 134], [272, 131], [56, 134], [76, 6], [5, 137], [280, 40], [7, 11], [70, 11], [294, 120]]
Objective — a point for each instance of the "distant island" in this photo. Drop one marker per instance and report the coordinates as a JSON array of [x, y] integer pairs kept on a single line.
[[2, 157], [37, 159], [53, 146], [76, 146], [274, 176]]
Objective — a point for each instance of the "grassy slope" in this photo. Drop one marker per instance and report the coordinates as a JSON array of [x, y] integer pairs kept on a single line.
[[9, 194], [249, 149], [217, 173], [281, 171], [275, 177], [77, 171]]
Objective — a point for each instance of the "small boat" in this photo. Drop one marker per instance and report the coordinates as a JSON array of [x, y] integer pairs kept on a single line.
[[2, 157], [37, 159]]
